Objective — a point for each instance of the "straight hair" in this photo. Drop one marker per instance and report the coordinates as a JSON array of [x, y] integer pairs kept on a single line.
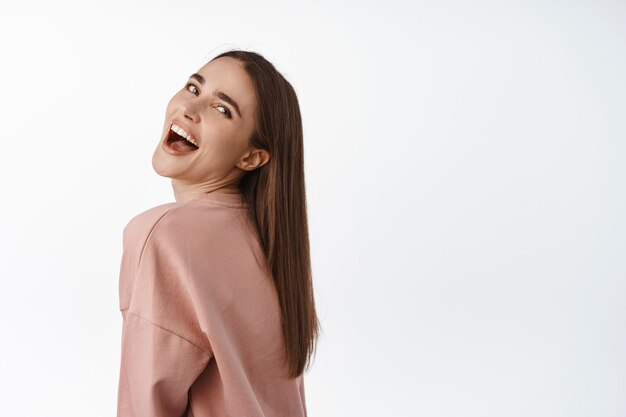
[[275, 193]]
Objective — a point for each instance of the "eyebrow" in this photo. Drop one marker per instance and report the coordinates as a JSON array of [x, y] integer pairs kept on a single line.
[[218, 93]]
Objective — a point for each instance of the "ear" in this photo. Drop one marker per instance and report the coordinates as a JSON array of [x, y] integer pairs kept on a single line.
[[254, 159]]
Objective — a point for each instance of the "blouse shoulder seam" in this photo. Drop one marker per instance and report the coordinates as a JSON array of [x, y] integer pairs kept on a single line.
[[169, 331], [150, 232]]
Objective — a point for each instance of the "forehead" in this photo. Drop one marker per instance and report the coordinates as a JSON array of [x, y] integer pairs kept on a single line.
[[229, 76]]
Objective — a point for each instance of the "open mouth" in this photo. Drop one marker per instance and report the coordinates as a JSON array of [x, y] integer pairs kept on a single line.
[[179, 143]]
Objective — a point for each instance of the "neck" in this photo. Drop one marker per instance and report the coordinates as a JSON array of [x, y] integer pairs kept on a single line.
[[184, 192]]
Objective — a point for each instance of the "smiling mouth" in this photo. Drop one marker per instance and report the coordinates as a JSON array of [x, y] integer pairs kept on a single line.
[[179, 143]]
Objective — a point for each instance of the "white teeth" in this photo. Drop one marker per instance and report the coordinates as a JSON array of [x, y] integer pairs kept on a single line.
[[183, 133]]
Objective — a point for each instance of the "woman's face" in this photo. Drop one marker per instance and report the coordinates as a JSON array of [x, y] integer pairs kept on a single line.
[[217, 108]]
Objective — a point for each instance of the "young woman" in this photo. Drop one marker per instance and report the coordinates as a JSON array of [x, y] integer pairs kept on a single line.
[[215, 288]]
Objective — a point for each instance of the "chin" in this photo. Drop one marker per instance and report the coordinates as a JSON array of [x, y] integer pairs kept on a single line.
[[160, 173], [157, 164]]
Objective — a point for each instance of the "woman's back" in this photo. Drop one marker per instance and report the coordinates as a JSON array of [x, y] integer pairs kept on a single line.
[[202, 327]]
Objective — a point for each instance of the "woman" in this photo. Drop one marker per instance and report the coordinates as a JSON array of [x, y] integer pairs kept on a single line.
[[215, 288]]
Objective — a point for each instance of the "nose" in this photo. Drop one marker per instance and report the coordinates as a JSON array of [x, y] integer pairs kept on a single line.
[[190, 111]]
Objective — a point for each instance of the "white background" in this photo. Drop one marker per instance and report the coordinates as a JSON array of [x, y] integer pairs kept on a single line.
[[465, 168]]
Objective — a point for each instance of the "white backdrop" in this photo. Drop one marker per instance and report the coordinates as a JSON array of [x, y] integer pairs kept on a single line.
[[465, 168]]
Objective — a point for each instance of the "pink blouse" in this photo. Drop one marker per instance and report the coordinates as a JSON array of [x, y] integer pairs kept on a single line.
[[201, 321]]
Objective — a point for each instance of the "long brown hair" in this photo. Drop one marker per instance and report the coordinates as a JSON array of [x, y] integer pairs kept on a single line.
[[276, 197]]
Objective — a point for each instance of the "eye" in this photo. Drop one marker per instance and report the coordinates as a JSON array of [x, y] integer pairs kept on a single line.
[[194, 91], [226, 111]]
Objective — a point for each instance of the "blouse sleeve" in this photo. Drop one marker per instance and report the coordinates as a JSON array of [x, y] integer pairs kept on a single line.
[[163, 348]]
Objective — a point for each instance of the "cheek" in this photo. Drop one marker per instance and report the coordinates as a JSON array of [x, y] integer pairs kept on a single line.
[[223, 146], [172, 104]]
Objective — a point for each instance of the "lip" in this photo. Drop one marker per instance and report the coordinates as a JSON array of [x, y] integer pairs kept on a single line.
[[171, 150]]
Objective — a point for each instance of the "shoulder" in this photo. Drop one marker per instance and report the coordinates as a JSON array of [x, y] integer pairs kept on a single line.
[[184, 224], [193, 218], [140, 225]]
